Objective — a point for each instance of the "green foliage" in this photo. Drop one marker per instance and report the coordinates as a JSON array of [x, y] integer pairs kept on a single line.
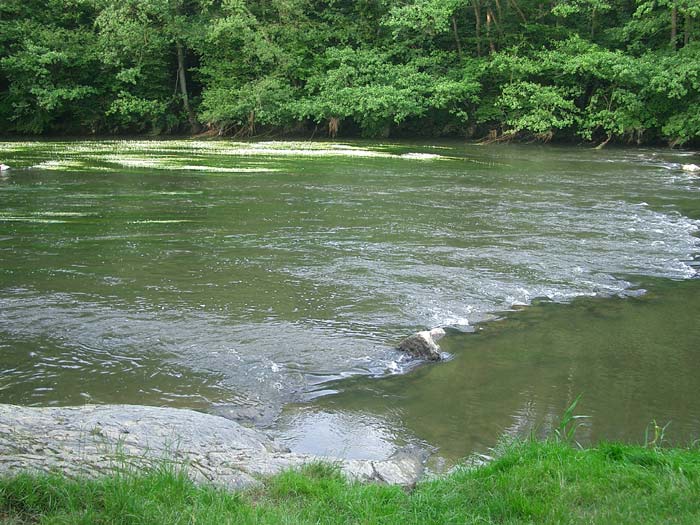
[[431, 16], [53, 76], [599, 70], [227, 104], [536, 109], [365, 85], [617, 113], [569, 423], [378, 92], [684, 125], [128, 111]]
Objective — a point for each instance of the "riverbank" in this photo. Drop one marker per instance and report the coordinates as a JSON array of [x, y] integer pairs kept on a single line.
[[528, 482], [97, 440]]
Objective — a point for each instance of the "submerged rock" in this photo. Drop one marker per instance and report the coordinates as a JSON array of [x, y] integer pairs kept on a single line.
[[256, 417], [423, 344], [693, 168], [99, 439]]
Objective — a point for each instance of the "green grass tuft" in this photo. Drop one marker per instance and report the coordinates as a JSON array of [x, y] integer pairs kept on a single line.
[[529, 482]]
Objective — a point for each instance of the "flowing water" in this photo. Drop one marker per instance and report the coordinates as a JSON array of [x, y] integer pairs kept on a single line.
[[239, 277]]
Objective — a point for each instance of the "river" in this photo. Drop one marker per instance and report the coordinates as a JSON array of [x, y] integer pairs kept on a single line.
[[271, 281]]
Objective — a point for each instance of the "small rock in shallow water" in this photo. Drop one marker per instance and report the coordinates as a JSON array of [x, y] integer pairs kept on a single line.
[[690, 167], [4, 167], [423, 344]]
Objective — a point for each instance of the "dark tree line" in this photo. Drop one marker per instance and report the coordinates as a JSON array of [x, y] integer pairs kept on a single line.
[[597, 70]]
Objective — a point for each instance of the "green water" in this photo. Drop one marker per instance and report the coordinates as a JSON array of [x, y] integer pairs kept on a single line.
[[241, 278], [633, 360]]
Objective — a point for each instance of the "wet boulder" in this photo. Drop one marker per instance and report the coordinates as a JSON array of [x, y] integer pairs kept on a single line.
[[692, 168], [4, 167], [423, 345]]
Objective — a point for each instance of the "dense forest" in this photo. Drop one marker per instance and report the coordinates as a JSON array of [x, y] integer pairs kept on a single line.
[[593, 70]]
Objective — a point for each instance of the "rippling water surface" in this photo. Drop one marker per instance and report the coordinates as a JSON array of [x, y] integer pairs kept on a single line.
[[220, 274]]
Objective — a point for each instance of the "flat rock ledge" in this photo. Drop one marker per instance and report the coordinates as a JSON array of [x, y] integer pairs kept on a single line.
[[93, 440]]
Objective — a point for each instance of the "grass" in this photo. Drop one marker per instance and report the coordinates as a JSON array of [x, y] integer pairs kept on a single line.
[[529, 482]]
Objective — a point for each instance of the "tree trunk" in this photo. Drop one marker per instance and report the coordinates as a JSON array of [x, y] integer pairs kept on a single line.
[[194, 125], [499, 10], [489, 19], [477, 15], [687, 28], [456, 33], [333, 127], [674, 24], [515, 5]]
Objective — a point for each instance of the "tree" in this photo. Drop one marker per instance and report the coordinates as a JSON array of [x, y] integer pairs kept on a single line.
[[147, 42], [598, 70], [49, 67]]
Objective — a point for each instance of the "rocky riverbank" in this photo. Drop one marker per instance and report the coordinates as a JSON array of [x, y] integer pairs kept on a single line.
[[93, 440]]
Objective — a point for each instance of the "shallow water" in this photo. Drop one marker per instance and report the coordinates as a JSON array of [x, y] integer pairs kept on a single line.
[[633, 361], [222, 275]]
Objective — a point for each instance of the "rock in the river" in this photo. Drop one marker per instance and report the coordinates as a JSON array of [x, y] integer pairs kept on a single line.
[[4, 167], [423, 344], [98, 439], [693, 168]]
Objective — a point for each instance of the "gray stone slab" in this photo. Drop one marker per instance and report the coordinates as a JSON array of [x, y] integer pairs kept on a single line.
[[98, 439]]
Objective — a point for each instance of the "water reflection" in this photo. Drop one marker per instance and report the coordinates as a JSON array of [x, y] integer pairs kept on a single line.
[[346, 434]]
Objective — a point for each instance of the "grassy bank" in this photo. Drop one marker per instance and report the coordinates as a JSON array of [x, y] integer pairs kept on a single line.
[[530, 482]]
